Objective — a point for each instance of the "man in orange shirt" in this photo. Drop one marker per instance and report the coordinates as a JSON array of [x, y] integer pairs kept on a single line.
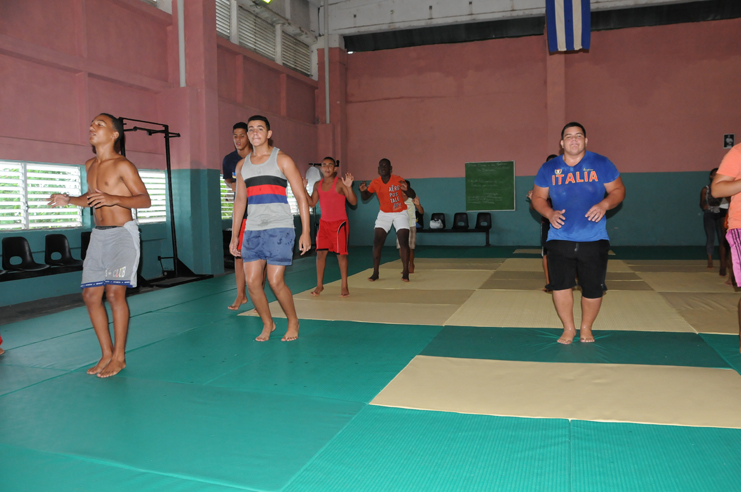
[[389, 188], [727, 183]]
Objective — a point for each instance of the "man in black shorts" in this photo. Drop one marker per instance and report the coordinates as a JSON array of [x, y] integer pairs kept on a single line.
[[577, 243]]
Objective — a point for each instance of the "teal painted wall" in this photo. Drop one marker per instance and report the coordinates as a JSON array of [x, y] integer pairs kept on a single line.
[[198, 221], [155, 242], [660, 209]]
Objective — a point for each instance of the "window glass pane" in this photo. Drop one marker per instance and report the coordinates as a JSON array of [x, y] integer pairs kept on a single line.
[[44, 179], [11, 195], [156, 183], [223, 18]]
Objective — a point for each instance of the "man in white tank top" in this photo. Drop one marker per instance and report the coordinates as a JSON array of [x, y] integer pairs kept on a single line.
[[269, 235]]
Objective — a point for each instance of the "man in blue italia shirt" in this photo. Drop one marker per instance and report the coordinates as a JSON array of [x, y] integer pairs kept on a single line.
[[583, 186]]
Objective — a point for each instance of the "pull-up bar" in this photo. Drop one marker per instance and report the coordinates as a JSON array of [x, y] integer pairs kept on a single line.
[[165, 130]]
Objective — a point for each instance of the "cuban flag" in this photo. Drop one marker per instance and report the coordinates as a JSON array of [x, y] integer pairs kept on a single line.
[[569, 24]]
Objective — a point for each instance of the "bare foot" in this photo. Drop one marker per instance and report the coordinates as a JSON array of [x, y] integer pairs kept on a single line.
[[102, 363], [729, 282], [2, 351], [291, 335], [237, 303], [345, 291], [411, 268], [567, 337], [722, 272], [265, 335], [373, 277], [114, 367], [585, 336], [317, 291], [405, 278]]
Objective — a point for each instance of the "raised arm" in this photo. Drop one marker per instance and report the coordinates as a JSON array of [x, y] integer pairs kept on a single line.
[[289, 169], [313, 199], [240, 203], [418, 205], [347, 189], [364, 193], [407, 189]]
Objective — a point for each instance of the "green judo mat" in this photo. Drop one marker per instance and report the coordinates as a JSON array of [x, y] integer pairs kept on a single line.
[[25, 470], [214, 435], [331, 359], [610, 347], [437, 451], [608, 457]]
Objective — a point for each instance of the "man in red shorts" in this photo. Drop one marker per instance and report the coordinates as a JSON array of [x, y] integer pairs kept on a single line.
[[332, 193]]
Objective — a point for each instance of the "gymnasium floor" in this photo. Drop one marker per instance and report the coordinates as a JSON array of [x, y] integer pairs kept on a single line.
[[453, 382]]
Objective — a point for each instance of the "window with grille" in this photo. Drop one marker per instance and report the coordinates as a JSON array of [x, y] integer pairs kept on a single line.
[[24, 193], [227, 201], [296, 55], [256, 34], [156, 183], [223, 18]]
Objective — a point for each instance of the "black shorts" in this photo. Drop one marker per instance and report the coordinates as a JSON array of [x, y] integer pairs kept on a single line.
[[545, 227], [588, 261]]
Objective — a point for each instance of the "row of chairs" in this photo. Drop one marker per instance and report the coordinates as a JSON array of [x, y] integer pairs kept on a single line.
[[460, 221], [55, 245]]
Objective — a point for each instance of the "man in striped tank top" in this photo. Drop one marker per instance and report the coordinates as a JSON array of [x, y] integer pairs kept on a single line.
[[263, 176], [331, 193]]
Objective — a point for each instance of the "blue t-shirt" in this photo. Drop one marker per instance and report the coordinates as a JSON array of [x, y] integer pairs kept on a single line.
[[576, 190], [229, 165]]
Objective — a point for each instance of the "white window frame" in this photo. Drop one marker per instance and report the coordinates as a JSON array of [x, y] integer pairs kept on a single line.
[[156, 183], [31, 184]]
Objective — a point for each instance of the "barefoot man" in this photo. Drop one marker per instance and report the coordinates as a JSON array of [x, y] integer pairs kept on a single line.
[[583, 187], [229, 166], [263, 176], [332, 193], [112, 259], [389, 187]]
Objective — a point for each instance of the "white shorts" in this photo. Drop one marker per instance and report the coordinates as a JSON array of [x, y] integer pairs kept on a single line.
[[400, 220]]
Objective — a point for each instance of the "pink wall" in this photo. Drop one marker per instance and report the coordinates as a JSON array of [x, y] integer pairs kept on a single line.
[[63, 62], [663, 108], [430, 109], [249, 84]]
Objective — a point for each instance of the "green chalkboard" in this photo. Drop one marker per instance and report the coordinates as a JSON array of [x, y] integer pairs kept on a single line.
[[490, 186]]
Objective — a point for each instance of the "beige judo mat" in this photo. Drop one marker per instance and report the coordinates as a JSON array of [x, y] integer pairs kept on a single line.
[[367, 312], [538, 251], [686, 282], [509, 293], [670, 395], [621, 310], [707, 313]]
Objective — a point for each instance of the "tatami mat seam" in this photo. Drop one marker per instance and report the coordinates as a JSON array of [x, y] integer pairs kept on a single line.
[[116, 464]]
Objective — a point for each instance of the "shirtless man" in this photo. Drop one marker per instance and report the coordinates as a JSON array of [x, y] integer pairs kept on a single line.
[[112, 259], [269, 233], [389, 187], [333, 234]]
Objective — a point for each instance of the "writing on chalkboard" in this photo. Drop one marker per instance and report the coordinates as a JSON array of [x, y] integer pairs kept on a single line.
[[490, 186]]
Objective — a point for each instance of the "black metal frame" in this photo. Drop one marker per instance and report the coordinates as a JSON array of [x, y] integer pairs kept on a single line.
[[179, 269]]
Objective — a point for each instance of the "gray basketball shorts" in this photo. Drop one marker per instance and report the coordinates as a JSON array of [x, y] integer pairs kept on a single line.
[[112, 257]]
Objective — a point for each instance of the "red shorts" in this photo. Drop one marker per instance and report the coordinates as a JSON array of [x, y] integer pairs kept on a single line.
[[241, 234], [332, 236]]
